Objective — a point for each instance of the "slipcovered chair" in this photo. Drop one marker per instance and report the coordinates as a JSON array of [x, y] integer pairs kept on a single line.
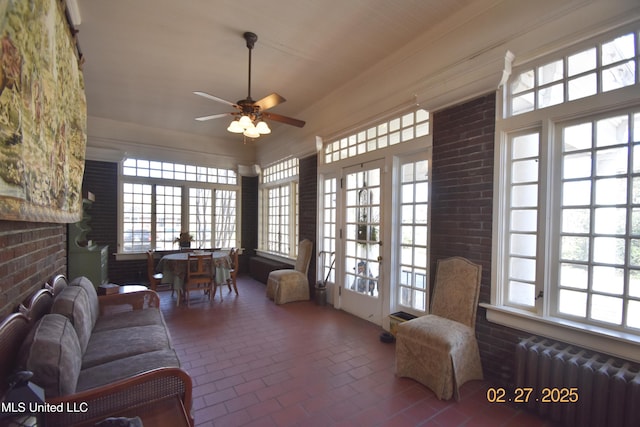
[[440, 349], [288, 285]]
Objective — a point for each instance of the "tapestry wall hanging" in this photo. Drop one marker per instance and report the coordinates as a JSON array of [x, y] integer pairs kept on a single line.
[[43, 114]]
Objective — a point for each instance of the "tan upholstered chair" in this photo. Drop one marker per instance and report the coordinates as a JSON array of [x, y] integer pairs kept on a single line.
[[288, 285], [440, 349]]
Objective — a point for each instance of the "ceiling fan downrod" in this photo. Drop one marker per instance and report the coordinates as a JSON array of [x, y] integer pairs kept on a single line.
[[251, 39]]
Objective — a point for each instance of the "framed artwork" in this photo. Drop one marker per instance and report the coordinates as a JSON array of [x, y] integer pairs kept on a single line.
[[43, 114]]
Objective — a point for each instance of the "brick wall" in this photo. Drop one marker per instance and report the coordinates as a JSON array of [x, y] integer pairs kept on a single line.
[[308, 205], [101, 178], [249, 221], [30, 253], [461, 213]]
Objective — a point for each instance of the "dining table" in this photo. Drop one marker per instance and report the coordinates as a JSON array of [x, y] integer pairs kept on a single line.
[[174, 267]]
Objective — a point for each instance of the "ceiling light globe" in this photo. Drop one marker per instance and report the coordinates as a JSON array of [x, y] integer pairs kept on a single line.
[[263, 128], [245, 121], [251, 132], [235, 127]]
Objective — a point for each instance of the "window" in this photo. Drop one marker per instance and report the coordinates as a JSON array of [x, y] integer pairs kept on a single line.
[[607, 66], [409, 126], [161, 199], [328, 221], [279, 200], [568, 197], [413, 209]]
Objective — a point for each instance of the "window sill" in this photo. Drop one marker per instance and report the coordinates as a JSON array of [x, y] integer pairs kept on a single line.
[[619, 344], [275, 257]]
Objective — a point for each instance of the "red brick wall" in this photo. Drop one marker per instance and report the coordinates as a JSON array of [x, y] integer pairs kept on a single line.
[[461, 213], [30, 253]]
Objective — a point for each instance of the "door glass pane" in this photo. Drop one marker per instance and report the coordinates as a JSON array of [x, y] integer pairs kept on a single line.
[[363, 227]]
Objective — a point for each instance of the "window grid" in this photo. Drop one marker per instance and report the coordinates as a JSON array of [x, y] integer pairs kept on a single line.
[[154, 214], [522, 214], [278, 220], [179, 172], [280, 171], [279, 205], [200, 216], [414, 202], [137, 216], [329, 224], [606, 66], [225, 214], [394, 131], [599, 267]]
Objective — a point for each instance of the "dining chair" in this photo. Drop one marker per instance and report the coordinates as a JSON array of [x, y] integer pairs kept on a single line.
[[289, 285], [155, 279], [199, 275], [440, 349], [233, 271]]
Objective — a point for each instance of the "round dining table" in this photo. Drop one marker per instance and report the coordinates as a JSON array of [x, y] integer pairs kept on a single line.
[[174, 267]]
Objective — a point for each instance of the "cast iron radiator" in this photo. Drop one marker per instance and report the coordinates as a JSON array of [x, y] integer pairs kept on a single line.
[[579, 387]]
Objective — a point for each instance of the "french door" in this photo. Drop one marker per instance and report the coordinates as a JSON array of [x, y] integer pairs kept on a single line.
[[361, 287]]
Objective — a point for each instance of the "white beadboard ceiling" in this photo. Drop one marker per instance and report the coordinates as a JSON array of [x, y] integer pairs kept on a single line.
[[144, 58], [331, 59]]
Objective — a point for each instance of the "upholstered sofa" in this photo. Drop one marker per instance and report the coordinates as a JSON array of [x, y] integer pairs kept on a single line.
[[110, 353]]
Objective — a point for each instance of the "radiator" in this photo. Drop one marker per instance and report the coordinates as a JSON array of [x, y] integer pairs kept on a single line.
[[607, 389]]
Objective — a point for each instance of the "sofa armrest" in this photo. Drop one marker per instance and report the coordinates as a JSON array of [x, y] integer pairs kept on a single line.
[[134, 300], [93, 405]]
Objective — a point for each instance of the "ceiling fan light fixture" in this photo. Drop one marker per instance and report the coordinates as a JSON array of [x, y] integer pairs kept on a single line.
[[251, 132], [235, 127], [263, 128], [245, 121]]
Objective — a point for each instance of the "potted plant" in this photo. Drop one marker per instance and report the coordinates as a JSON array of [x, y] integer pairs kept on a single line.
[[184, 239]]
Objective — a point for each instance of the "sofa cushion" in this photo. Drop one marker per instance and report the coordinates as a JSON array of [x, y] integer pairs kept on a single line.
[[127, 319], [94, 304], [52, 352], [109, 345], [115, 370], [73, 303]]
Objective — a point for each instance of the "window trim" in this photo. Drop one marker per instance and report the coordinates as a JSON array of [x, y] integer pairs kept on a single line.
[[617, 343], [285, 173], [185, 185]]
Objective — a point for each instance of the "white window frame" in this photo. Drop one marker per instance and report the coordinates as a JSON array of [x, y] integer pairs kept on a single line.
[[282, 175], [540, 318], [183, 176], [409, 268]]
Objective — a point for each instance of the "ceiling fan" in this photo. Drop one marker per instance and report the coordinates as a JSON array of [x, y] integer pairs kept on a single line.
[[248, 120]]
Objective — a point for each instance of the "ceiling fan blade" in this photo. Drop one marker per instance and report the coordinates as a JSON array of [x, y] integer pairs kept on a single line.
[[269, 101], [283, 119], [215, 98], [215, 116]]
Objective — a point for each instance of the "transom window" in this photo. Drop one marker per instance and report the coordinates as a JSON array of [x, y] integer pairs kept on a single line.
[[161, 199], [391, 132], [599, 68]]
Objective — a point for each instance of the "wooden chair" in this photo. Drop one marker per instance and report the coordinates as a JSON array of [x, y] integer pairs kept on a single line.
[[233, 272], [155, 279], [199, 275]]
